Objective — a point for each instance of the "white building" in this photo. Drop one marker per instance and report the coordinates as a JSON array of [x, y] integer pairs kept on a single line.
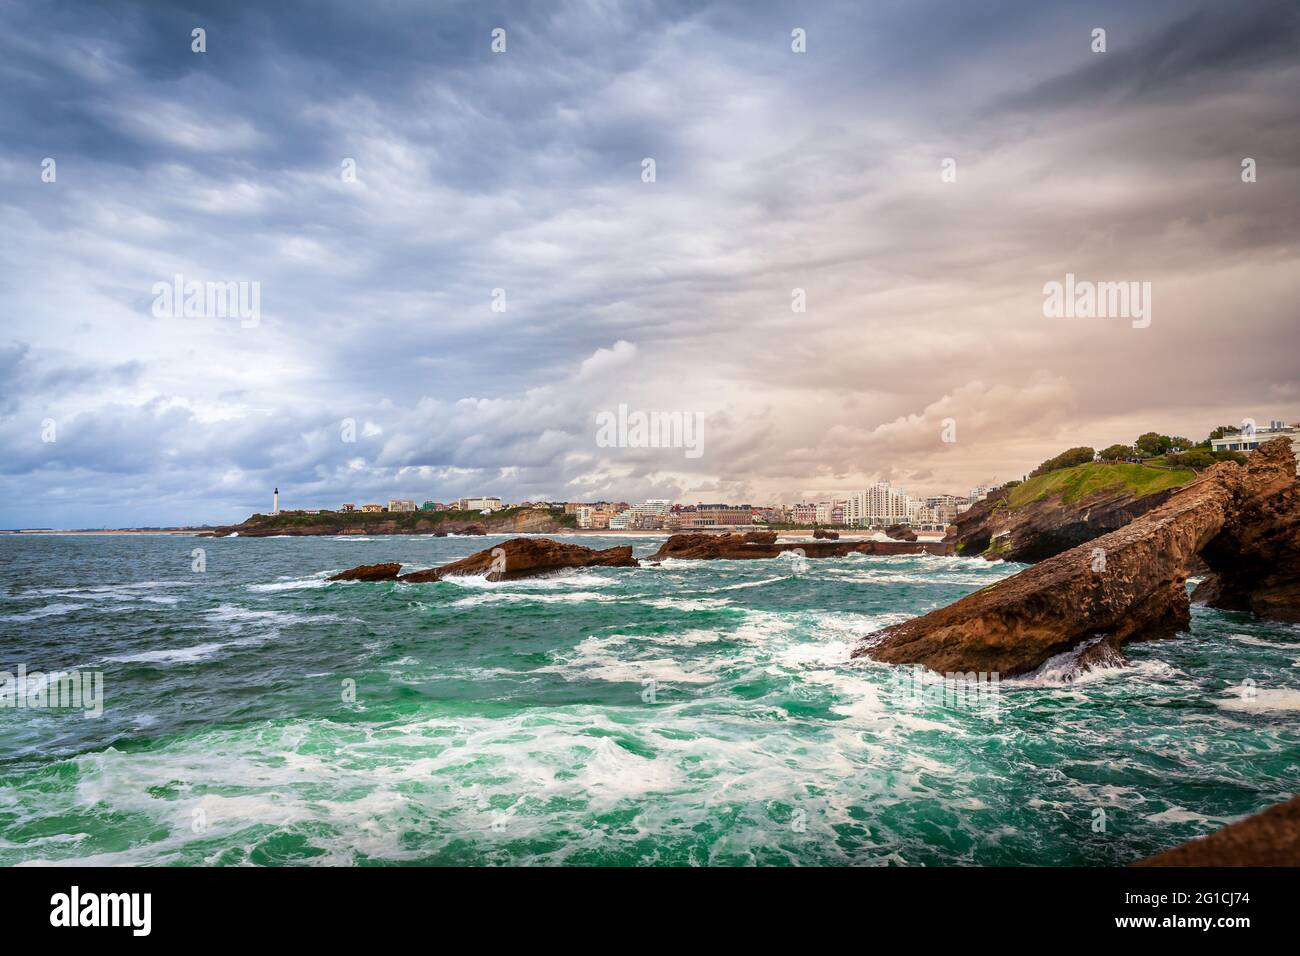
[[401, 504], [878, 506], [1251, 436], [479, 504]]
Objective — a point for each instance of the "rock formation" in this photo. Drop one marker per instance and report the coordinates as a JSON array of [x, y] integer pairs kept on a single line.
[[370, 572], [1044, 528], [823, 534], [1269, 838], [900, 532], [508, 561], [437, 523], [1126, 585], [701, 545]]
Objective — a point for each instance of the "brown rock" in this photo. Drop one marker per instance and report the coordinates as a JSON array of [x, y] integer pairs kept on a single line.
[[702, 545], [1136, 592], [827, 535], [526, 557], [1269, 838], [370, 572], [900, 532]]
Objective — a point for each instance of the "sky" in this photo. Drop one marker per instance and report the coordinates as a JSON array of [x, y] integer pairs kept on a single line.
[[461, 261]]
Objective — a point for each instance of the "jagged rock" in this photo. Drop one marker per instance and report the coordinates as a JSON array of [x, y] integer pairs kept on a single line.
[[1254, 563], [822, 533], [1125, 585], [370, 572], [472, 529], [900, 532], [516, 558], [702, 545], [1269, 838]]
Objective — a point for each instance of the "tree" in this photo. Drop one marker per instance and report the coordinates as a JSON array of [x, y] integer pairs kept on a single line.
[[1178, 441], [1066, 459], [1151, 444], [1221, 432], [1116, 453]]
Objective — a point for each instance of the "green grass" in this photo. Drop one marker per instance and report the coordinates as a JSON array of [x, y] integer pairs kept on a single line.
[[1071, 484]]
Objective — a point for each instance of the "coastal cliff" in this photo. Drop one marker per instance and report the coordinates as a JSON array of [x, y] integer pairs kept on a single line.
[[1051, 513], [1128, 584], [301, 523]]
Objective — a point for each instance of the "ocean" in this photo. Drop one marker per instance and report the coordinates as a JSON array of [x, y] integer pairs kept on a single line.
[[695, 713]]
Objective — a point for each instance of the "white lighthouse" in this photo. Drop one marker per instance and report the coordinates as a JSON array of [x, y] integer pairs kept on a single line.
[[275, 502]]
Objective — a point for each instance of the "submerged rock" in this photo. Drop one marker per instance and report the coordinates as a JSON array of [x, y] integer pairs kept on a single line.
[[370, 572], [1126, 585]]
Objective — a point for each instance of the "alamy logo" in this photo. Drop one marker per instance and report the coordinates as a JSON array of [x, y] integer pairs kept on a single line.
[[103, 909], [55, 690], [208, 300], [624, 429], [1085, 299]]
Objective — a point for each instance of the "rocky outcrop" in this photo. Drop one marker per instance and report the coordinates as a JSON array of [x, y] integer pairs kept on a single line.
[[900, 532], [1044, 528], [823, 534], [1126, 585], [370, 572], [763, 544], [1269, 838], [508, 561], [1254, 563]]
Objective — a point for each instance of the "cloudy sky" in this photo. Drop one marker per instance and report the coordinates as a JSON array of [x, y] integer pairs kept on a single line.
[[522, 171]]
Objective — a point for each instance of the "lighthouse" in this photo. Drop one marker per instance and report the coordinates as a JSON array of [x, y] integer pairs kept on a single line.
[[275, 502]]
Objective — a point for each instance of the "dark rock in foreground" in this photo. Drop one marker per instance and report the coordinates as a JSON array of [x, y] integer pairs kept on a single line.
[[1126, 585], [370, 572], [702, 545], [900, 532], [508, 561], [1269, 838]]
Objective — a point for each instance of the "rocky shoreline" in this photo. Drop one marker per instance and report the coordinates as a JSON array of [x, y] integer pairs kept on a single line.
[[1243, 522]]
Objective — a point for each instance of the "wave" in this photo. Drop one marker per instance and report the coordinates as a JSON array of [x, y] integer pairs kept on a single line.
[[1262, 700]]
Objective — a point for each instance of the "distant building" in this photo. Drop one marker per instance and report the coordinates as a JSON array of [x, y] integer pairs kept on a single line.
[[878, 507], [275, 502], [1249, 438], [372, 507], [349, 507], [479, 504], [980, 492], [401, 504], [803, 514]]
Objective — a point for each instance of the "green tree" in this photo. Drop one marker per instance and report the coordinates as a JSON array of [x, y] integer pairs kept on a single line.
[[1221, 432], [1066, 459], [1116, 452], [1151, 444]]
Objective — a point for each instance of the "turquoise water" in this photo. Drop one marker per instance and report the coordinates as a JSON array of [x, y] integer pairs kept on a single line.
[[693, 713]]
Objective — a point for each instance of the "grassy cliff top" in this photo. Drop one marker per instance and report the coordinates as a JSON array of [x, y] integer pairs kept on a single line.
[[1071, 484]]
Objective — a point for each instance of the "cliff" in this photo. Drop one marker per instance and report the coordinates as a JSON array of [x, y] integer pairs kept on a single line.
[[507, 521], [1128, 584], [1051, 513]]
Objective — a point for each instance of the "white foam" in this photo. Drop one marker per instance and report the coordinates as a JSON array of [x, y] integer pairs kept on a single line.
[[1262, 700]]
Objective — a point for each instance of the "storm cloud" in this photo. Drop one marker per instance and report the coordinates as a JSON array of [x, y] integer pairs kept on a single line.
[[515, 179]]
